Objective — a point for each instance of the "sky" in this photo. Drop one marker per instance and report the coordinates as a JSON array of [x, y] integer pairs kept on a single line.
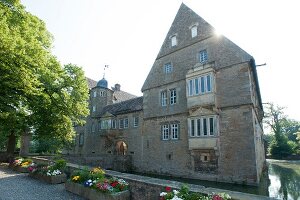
[[127, 36]]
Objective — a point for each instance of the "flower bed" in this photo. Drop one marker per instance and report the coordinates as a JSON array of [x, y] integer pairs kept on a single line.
[[94, 185], [21, 165], [52, 173], [184, 194], [61, 178]]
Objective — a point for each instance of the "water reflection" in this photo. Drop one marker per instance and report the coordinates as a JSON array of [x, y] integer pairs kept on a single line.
[[285, 180]]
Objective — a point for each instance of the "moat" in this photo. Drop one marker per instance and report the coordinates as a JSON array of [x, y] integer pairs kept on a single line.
[[281, 182]]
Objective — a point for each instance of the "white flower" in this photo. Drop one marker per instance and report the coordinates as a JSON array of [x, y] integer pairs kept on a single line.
[[163, 194], [176, 198], [175, 192]]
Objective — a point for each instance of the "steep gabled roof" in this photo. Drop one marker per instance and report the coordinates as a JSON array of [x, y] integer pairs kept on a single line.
[[184, 20], [185, 55], [124, 107]]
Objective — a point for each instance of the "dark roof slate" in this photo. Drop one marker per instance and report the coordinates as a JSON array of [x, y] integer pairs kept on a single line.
[[122, 96], [91, 83], [124, 107]]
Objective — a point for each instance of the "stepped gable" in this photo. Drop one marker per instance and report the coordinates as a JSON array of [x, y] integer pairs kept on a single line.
[[124, 107], [184, 56]]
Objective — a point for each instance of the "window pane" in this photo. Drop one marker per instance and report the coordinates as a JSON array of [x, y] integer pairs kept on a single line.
[[190, 87], [203, 56], [204, 126], [174, 131], [126, 123], [196, 86], [172, 96], [192, 127], [202, 85], [211, 126], [165, 130], [114, 124], [194, 31], [136, 121], [121, 123], [174, 41], [93, 127], [168, 68], [208, 83], [164, 98], [198, 127]]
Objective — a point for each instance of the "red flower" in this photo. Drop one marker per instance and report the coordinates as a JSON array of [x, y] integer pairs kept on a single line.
[[168, 189], [114, 184], [217, 197]]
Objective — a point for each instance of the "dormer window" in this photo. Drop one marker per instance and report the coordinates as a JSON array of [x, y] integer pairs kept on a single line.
[[194, 31], [173, 40]]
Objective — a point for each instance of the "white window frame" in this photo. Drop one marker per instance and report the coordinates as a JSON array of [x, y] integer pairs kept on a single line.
[[94, 109], [203, 58], [194, 31], [135, 121], [126, 122], [174, 131], [173, 40], [173, 96], [95, 94], [102, 94], [163, 98], [205, 121], [199, 85], [165, 132], [168, 68]]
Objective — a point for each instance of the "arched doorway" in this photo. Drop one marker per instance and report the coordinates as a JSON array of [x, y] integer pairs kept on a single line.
[[121, 148]]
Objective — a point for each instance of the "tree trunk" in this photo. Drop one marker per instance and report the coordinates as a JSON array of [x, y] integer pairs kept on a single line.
[[11, 146], [25, 144]]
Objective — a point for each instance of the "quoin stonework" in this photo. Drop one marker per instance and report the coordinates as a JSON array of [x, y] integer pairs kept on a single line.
[[200, 115]]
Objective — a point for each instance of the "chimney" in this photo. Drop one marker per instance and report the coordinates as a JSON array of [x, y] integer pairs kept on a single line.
[[117, 87]]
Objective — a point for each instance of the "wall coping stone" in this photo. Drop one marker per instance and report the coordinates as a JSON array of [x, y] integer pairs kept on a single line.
[[177, 185]]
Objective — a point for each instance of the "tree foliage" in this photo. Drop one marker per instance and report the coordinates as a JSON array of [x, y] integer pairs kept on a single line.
[[36, 93], [283, 143]]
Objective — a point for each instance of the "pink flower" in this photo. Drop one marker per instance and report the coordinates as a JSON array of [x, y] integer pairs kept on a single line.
[[217, 197]]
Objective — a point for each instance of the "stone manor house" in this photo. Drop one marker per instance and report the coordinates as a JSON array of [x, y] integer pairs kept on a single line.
[[200, 115]]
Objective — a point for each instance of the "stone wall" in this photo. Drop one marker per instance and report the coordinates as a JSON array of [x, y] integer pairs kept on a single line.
[[237, 160]]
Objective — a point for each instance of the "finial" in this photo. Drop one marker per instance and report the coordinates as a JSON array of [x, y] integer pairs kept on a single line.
[[105, 66]]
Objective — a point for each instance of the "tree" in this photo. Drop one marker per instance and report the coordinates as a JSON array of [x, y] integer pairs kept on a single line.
[[277, 121], [36, 93]]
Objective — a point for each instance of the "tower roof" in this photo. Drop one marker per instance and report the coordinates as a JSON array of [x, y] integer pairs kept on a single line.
[[102, 83]]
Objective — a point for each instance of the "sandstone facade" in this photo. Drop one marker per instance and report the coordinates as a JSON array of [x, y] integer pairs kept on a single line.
[[200, 115]]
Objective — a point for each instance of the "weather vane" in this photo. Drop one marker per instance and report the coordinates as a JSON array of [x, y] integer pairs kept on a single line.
[[105, 66]]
